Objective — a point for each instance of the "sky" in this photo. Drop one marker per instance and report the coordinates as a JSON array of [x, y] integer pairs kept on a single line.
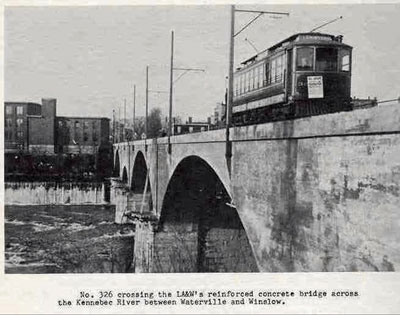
[[89, 58]]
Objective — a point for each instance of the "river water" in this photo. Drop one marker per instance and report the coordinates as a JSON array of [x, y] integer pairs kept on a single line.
[[66, 239]]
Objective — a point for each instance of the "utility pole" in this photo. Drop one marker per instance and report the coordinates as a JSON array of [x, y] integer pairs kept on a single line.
[[113, 113], [134, 107], [147, 106], [171, 78], [119, 123], [228, 148], [124, 132], [228, 144], [171, 87]]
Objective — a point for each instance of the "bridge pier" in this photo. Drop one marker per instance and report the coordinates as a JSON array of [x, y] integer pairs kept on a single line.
[[118, 197], [144, 246]]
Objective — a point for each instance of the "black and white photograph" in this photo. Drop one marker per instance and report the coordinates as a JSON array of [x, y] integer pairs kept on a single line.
[[177, 139]]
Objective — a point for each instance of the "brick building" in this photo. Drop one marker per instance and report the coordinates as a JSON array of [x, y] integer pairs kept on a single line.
[[190, 126], [37, 142], [34, 128], [16, 125], [82, 135], [42, 128]]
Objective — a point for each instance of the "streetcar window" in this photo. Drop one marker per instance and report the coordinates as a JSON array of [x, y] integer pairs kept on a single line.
[[250, 79], [326, 59], [261, 76], [266, 77], [276, 70], [305, 58], [235, 91], [344, 60], [272, 73], [253, 79], [247, 87], [279, 69]]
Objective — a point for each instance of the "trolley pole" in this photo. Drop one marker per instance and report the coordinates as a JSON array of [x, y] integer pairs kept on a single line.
[[171, 78]]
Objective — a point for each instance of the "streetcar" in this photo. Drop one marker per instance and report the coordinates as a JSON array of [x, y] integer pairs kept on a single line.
[[303, 75]]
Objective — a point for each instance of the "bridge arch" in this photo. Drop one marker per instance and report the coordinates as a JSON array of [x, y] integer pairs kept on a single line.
[[198, 230], [124, 176], [140, 184], [117, 163], [139, 173]]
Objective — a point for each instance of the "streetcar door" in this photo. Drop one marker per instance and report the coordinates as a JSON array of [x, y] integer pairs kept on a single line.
[[289, 73]]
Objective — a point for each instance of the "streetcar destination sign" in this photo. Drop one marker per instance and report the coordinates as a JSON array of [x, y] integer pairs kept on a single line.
[[315, 86]]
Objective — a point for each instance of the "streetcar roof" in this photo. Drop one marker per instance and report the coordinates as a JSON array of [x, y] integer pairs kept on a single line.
[[299, 38]]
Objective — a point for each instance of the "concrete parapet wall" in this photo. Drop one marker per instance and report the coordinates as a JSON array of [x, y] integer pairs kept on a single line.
[[380, 119], [321, 204]]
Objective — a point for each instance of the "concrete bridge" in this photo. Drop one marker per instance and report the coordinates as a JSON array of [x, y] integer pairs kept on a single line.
[[313, 194]]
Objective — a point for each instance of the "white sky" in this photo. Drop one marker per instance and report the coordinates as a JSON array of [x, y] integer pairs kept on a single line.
[[90, 57]]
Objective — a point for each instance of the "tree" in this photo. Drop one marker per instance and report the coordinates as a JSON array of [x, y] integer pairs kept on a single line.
[[154, 123], [139, 127]]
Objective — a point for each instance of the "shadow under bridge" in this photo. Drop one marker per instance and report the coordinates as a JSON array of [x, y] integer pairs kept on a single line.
[[198, 230]]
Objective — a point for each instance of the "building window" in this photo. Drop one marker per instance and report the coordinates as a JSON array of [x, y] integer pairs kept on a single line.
[[94, 125], [20, 121], [9, 122], [20, 110], [20, 135], [9, 110], [85, 137], [94, 137], [85, 124], [76, 124]]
